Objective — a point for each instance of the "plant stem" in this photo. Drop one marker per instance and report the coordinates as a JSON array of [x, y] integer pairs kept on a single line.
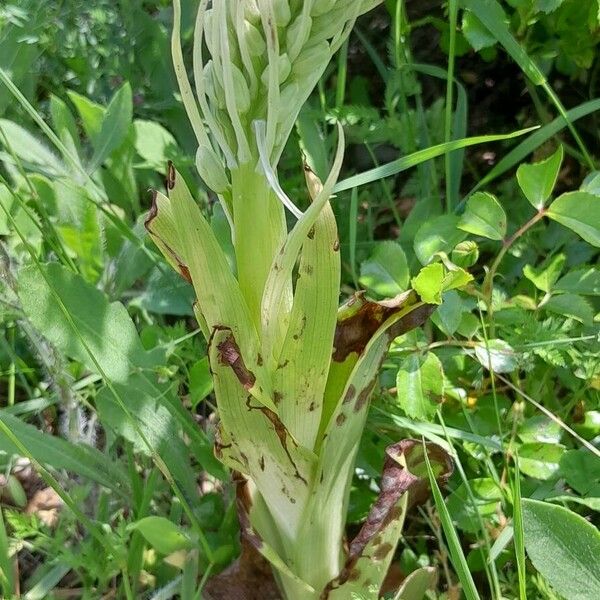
[[488, 284]]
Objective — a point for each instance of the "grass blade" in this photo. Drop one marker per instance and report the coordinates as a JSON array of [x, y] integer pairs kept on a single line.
[[456, 552], [519, 536], [491, 14], [416, 158], [535, 140]]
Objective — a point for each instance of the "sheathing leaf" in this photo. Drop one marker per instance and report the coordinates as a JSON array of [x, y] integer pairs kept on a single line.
[[258, 444], [275, 314], [300, 377], [188, 242], [403, 483]]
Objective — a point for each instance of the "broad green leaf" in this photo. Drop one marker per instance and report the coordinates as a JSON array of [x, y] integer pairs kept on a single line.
[[476, 33], [155, 145], [579, 211], [484, 216], [385, 272], [420, 385], [57, 453], [30, 150], [90, 113], [540, 460], [571, 305], [540, 429], [546, 276], [429, 283], [163, 535], [581, 470], [584, 281], [497, 356], [166, 293], [106, 328], [547, 6], [437, 235], [564, 548], [538, 179], [115, 126]]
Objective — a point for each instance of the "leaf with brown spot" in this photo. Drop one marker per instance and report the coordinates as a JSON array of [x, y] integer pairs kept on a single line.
[[250, 577], [404, 482]]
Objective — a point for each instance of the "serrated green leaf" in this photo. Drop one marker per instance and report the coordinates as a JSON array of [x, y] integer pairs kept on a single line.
[[581, 281], [429, 283], [580, 212], [571, 305], [420, 385], [538, 179], [546, 276], [564, 548], [484, 216]]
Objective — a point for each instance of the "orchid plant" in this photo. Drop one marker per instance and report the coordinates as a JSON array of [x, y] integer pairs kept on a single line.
[[293, 373]]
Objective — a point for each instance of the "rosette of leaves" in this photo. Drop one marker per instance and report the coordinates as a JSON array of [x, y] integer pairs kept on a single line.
[[293, 374]]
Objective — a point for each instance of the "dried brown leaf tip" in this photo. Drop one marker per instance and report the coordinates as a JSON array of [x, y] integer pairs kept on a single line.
[[396, 480], [361, 318]]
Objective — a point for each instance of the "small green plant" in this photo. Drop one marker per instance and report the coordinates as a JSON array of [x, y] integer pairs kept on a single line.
[[292, 373]]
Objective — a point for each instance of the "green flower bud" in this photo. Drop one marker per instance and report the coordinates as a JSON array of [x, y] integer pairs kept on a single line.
[[322, 7], [282, 12], [311, 59], [328, 25], [211, 170], [288, 99], [213, 88], [254, 39], [465, 254], [297, 35], [284, 68], [251, 11], [240, 90]]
